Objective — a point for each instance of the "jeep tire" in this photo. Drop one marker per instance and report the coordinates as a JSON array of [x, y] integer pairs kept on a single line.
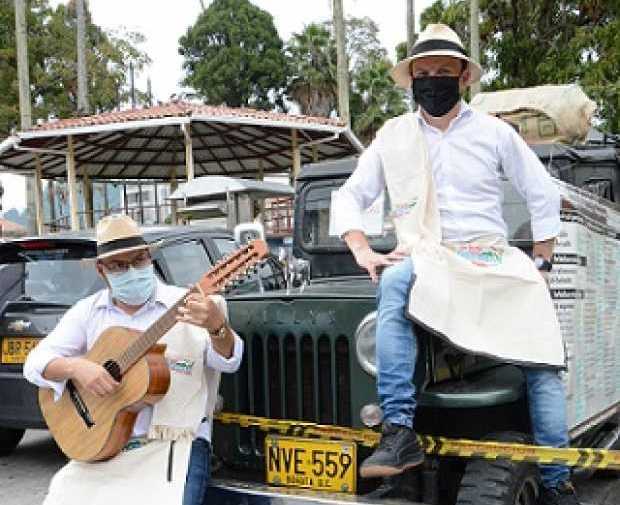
[[499, 482], [611, 474], [9, 439]]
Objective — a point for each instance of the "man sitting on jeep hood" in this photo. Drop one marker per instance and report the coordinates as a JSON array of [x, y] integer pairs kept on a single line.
[[443, 167]]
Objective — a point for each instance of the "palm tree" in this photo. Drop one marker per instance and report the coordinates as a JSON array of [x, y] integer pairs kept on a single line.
[[312, 56], [375, 98]]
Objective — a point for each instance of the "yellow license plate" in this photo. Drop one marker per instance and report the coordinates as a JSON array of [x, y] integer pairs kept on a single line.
[[323, 465], [15, 350]]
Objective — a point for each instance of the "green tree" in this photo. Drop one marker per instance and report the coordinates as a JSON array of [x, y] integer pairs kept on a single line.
[[529, 42], [312, 63], [362, 42], [375, 99], [108, 57], [233, 55], [312, 84], [9, 101], [401, 51], [52, 63], [454, 13]]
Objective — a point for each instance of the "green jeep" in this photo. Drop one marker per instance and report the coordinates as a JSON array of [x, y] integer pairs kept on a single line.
[[309, 355]]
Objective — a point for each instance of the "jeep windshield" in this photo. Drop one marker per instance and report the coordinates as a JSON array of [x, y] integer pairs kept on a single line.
[[317, 228], [318, 235], [47, 271]]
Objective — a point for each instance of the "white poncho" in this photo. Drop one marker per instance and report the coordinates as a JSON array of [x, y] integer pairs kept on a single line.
[[153, 473], [496, 305]]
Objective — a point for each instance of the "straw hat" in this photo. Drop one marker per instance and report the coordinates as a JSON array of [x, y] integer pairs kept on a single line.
[[436, 40], [118, 234]]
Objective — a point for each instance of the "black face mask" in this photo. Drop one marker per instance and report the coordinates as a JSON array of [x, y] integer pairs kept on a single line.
[[436, 95]]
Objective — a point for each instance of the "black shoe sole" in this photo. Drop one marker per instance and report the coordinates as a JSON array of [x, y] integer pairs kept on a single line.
[[371, 471]]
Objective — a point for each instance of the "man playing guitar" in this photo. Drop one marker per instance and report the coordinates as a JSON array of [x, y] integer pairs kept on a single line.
[[177, 430]]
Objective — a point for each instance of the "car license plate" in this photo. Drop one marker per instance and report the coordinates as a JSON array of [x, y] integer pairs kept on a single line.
[[15, 350], [323, 465]]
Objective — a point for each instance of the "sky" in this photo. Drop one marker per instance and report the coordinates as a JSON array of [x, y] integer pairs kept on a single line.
[[162, 22]]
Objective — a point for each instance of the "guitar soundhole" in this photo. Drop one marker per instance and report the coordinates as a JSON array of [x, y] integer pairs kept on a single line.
[[113, 369]]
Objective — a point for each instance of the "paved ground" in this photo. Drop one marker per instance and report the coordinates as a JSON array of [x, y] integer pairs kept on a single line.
[[25, 474]]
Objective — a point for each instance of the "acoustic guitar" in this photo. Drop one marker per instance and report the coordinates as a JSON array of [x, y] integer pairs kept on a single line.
[[90, 428]]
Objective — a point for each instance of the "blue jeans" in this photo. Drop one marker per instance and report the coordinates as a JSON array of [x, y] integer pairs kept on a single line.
[[396, 358], [198, 473]]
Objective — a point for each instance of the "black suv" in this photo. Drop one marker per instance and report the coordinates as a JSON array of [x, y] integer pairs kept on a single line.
[[41, 277]]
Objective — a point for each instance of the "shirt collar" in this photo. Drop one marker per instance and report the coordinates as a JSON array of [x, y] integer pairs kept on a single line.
[[163, 295], [465, 111], [166, 295]]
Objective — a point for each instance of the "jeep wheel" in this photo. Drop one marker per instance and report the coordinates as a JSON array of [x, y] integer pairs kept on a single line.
[[500, 482], [611, 474], [9, 439]]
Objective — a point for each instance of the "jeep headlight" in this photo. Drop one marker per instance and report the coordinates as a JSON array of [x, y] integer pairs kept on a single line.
[[365, 346]]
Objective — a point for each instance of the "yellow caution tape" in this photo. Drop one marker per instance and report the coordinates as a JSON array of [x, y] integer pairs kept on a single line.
[[441, 446]]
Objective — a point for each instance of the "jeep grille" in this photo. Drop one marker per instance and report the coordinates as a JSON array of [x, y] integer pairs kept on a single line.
[[292, 376]]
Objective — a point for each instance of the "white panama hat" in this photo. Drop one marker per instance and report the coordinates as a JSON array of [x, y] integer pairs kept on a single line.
[[436, 40], [118, 234]]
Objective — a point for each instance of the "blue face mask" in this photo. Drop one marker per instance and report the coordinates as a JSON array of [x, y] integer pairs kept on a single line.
[[133, 287]]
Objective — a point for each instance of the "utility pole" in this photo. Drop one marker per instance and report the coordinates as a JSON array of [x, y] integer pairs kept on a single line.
[[25, 105], [410, 25], [474, 31], [51, 199], [82, 79], [341, 63], [133, 85], [411, 38], [82, 105], [21, 39], [149, 92]]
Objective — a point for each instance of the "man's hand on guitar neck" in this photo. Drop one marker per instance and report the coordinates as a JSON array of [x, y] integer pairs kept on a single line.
[[92, 377], [202, 311]]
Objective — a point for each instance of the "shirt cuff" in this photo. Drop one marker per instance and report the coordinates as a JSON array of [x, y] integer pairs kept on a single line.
[[34, 368], [546, 228], [347, 215], [227, 365]]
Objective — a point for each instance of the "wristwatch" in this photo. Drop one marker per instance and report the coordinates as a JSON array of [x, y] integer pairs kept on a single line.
[[543, 264], [219, 333]]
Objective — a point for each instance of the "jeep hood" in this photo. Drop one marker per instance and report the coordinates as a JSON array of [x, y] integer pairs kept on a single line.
[[345, 287]]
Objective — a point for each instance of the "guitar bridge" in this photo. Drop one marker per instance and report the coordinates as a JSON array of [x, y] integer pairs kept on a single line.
[[79, 404]]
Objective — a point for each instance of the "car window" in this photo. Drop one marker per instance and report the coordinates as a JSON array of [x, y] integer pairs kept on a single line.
[[187, 262], [225, 245], [49, 272]]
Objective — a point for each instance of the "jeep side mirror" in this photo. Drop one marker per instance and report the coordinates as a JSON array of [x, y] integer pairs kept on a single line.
[[245, 232]]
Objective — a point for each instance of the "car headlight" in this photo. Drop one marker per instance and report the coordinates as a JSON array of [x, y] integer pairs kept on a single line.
[[365, 346]]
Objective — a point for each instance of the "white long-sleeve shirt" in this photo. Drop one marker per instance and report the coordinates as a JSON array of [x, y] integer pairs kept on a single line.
[[82, 324], [467, 162]]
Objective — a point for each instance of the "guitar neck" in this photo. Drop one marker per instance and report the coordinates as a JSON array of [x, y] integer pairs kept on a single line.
[[212, 282], [149, 337]]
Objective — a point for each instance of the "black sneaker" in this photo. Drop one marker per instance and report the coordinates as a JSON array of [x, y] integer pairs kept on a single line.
[[398, 451], [564, 494]]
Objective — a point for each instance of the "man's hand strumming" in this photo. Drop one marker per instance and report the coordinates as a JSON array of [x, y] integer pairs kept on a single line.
[[93, 377]]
